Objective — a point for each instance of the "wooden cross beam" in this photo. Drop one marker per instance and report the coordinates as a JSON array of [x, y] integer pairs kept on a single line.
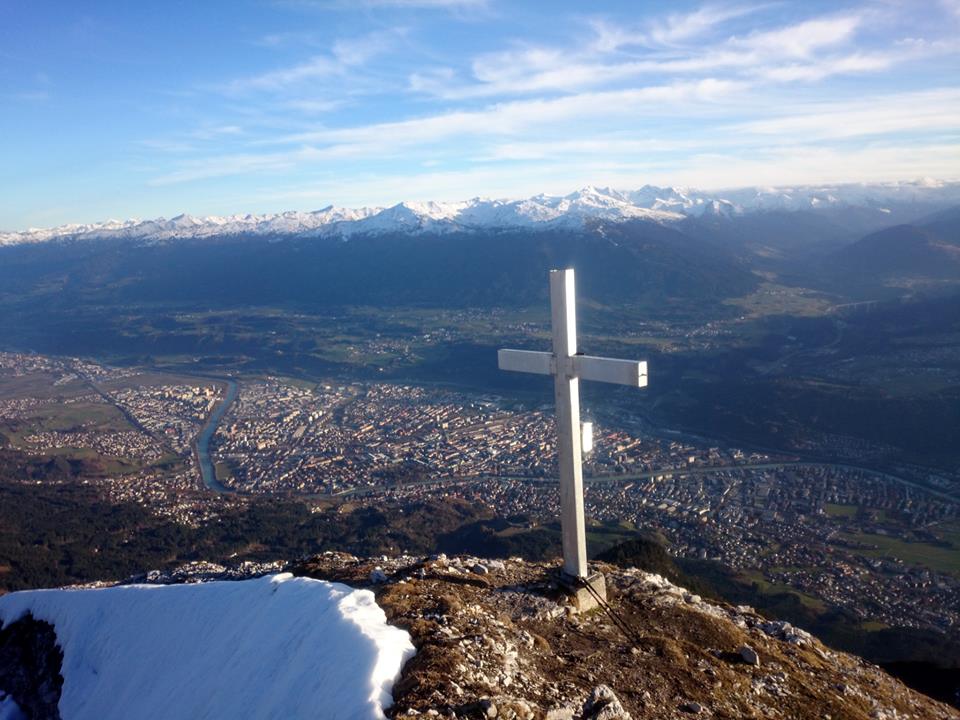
[[568, 367]]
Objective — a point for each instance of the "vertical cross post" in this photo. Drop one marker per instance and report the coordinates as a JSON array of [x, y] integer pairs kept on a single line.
[[567, 394], [567, 367]]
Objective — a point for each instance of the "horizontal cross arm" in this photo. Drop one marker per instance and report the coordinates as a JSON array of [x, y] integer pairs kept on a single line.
[[622, 372], [587, 367], [528, 361]]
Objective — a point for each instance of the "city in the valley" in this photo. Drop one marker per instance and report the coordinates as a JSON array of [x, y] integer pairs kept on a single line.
[[874, 542]]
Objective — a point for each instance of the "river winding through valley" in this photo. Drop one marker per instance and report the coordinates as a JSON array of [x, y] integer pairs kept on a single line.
[[208, 470]]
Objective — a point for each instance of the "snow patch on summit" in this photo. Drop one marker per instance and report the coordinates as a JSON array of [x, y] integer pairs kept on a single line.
[[278, 646]]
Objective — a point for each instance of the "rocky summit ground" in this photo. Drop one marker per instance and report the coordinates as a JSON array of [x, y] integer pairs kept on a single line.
[[498, 639]]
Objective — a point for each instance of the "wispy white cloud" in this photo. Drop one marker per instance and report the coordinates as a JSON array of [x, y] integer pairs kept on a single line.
[[599, 62], [591, 147], [801, 39], [813, 71], [165, 145], [516, 116], [355, 51], [228, 165], [345, 55], [926, 111], [208, 132], [681, 27], [898, 53], [284, 39], [674, 28], [315, 106], [802, 164], [318, 66]]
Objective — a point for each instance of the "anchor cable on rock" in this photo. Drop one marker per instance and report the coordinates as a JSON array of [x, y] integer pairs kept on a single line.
[[617, 619]]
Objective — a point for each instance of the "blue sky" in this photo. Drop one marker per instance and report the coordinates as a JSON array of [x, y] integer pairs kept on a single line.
[[149, 108]]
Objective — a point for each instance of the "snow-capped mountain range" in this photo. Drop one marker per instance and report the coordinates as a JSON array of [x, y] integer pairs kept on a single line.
[[656, 204]]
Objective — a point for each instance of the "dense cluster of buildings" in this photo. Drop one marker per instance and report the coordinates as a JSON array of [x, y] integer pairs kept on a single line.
[[121, 444], [281, 438], [170, 495], [173, 414]]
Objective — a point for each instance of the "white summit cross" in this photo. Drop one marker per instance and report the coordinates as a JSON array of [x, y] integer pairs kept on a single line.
[[567, 367]]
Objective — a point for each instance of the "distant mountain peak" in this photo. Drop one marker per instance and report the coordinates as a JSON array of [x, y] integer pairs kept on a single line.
[[590, 203]]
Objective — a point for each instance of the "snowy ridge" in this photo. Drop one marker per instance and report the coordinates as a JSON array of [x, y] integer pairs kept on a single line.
[[655, 204], [277, 646]]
